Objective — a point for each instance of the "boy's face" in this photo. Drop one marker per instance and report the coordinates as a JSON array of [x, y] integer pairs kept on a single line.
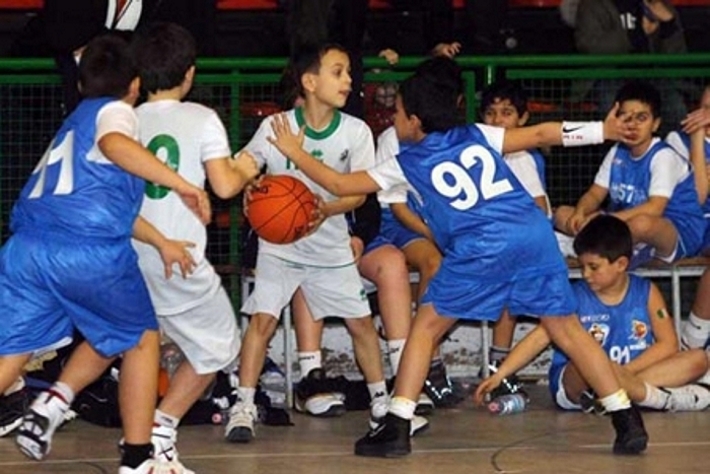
[[599, 273], [501, 113], [332, 84], [642, 124], [405, 125]]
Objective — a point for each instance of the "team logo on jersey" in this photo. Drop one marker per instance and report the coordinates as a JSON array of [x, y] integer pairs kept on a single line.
[[363, 295], [599, 332], [639, 329], [344, 155]]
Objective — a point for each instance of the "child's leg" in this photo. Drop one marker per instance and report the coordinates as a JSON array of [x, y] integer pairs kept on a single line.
[[186, 387], [386, 267], [696, 330], [423, 255], [503, 331], [366, 345], [658, 232], [679, 369], [11, 367]]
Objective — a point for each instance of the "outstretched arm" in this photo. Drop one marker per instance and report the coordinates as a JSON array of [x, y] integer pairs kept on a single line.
[[566, 133], [339, 184]]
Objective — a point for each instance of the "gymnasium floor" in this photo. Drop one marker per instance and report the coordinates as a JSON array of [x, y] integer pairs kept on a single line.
[[467, 440]]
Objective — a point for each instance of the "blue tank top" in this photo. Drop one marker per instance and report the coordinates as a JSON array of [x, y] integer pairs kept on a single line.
[[476, 208], [623, 330], [71, 195], [630, 181]]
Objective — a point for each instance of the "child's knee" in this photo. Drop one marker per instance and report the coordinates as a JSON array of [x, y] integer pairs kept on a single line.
[[262, 326], [361, 327]]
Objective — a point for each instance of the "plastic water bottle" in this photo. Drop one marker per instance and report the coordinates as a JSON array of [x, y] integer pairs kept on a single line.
[[170, 359], [273, 383], [508, 404]]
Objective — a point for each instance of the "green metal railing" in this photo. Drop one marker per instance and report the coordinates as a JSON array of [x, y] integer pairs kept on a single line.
[[245, 90]]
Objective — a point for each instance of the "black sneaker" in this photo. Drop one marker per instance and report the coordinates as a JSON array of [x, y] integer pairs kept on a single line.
[[631, 436], [12, 409], [314, 397], [388, 440], [439, 387]]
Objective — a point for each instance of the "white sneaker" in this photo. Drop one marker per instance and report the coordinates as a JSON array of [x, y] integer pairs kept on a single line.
[[164, 439], [691, 397], [418, 425], [322, 405], [45, 415], [378, 410], [425, 405], [153, 466], [240, 427]]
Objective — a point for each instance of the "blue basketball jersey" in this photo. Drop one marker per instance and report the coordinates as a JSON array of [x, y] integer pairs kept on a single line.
[[623, 330], [630, 181], [486, 224], [71, 193]]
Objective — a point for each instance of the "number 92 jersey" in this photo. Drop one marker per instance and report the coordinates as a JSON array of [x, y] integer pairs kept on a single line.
[[486, 224]]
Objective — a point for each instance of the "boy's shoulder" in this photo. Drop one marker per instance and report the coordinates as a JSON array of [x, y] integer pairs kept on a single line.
[[185, 107]]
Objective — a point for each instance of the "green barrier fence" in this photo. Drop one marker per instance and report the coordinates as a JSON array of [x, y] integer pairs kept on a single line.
[[244, 91]]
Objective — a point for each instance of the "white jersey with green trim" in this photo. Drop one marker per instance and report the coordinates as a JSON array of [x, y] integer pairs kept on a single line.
[[184, 135], [345, 145]]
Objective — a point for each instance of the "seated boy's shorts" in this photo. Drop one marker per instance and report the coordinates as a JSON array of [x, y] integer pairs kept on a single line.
[[207, 334], [396, 233], [691, 235], [329, 291], [480, 298], [557, 389], [51, 284]]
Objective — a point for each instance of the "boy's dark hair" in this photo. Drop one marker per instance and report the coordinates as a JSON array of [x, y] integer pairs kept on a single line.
[[606, 236], [444, 71], [164, 52], [505, 90], [643, 92], [306, 60], [106, 68], [434, 105]]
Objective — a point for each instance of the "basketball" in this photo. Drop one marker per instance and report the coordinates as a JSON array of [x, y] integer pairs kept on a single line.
[[279, 208]]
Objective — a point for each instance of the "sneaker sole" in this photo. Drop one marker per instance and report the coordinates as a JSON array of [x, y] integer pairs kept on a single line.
[[332, 412], [424, 409], [31, 448], [377, 452], [240, 435], [419, 430]]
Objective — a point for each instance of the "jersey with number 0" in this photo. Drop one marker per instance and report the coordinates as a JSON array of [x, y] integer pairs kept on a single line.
[[184, 135], [75, 190], [345, 145], [486, 224], [623, 330], [660, 171]]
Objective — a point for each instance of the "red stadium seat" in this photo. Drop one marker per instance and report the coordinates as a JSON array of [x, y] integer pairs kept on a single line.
[[247, 4], [22, 4], [534, 3]]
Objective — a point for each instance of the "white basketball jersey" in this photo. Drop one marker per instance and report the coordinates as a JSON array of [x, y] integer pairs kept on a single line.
[[345, 145], [184, 135]]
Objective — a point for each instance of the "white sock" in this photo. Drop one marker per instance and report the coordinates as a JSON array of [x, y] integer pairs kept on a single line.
[[246, 394], [695, 332], [62, 392], [616, 401], [308, 361], [378, 391], [395, 348], [163, 419], [656, 398], [403, 407]]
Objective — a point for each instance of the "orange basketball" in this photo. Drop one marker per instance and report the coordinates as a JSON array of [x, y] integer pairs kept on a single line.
[[280, 208]]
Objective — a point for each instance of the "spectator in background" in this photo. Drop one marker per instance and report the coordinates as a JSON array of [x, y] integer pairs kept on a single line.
[[630, 26], [69, 25]]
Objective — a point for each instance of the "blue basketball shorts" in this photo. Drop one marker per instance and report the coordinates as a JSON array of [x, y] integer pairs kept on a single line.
[[51, 285], [396, 233], [475, 297]]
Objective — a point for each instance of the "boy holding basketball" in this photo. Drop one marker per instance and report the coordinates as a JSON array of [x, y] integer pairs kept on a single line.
[[499, 248], [321, 264], [69, 263], [194, 312]]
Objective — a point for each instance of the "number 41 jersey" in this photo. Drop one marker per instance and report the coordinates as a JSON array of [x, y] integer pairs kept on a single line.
[[483, 220], [75, 190]]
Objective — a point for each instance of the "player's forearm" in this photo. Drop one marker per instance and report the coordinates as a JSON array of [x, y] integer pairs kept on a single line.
[[132, 157], [697, 158], [656, 353], [145, 232], [410, 220], [653, 207], [588, 203], [343, 205], [525, 351]]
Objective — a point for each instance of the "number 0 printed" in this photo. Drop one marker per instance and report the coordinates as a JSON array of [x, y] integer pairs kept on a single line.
[[171, 149], [453, 180]]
